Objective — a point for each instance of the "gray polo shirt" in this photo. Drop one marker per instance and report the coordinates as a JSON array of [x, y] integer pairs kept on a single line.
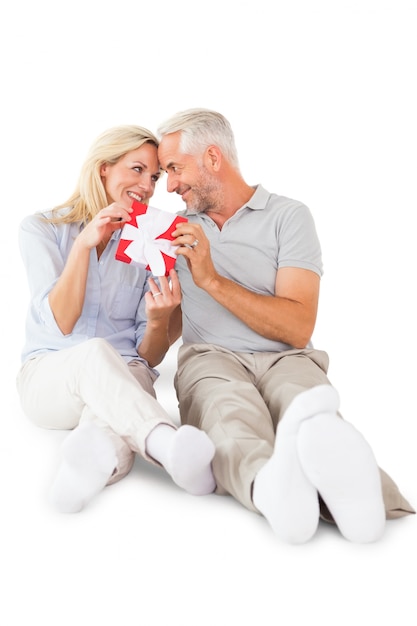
[[267, 233]]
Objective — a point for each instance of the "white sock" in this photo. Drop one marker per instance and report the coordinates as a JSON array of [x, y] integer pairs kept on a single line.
[[281, 490], [88, 461], [186, 453], [341, 465]]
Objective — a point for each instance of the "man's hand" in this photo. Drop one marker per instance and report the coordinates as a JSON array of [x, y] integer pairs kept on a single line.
[[195, 247]]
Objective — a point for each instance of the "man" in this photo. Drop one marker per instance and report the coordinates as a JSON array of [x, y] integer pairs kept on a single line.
[[249, 264]]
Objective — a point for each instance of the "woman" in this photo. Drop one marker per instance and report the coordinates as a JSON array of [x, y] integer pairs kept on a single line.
[[96, 328]]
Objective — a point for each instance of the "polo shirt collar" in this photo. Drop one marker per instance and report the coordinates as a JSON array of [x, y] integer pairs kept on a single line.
[[259, 199]]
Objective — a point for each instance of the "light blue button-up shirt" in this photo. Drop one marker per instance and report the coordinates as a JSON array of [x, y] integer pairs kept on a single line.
[[114, 306]]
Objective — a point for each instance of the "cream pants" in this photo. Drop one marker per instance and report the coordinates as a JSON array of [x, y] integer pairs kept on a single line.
[[91, 381]]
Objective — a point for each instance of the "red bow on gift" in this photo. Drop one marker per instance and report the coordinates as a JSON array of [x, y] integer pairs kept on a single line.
[[146, 239]]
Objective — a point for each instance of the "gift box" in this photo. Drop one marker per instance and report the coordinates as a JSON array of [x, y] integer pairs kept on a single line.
[[146, 239]]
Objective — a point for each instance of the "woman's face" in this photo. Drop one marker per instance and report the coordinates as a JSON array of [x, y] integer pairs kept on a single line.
[[133, 177]]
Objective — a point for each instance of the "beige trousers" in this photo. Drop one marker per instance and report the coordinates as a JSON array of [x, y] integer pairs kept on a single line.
[[91, 381], [239, 399]]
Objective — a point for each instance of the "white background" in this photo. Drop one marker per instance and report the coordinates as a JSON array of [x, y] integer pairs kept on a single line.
[[322, 99]]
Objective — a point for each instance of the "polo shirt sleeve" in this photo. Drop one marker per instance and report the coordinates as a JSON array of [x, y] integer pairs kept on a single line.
[[299, 244]]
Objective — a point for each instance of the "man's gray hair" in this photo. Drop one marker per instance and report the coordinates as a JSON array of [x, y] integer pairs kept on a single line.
[[201, 128]]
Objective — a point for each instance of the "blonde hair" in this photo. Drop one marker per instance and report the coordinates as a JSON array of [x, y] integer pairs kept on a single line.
[[89, 196], [201, 128]]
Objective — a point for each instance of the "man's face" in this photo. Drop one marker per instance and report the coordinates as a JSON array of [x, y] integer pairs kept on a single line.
[[187, 175]]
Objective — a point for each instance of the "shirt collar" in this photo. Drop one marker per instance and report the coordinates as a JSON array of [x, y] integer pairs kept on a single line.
[[259, 199]]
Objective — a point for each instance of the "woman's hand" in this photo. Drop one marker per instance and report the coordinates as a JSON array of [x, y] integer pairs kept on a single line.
[[163, 300], [102, 226], [161, 303]]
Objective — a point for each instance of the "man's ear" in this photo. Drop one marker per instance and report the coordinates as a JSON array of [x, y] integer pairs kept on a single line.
[[213, 157]]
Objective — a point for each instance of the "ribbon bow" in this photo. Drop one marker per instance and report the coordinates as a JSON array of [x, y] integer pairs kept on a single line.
[[146, 239]]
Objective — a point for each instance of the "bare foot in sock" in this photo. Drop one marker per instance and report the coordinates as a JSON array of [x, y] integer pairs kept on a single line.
[[186, 453], [341, 465], [88, 461], [281, 491]]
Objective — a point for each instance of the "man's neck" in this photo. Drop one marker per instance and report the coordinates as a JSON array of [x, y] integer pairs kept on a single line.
[[234, 198]]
